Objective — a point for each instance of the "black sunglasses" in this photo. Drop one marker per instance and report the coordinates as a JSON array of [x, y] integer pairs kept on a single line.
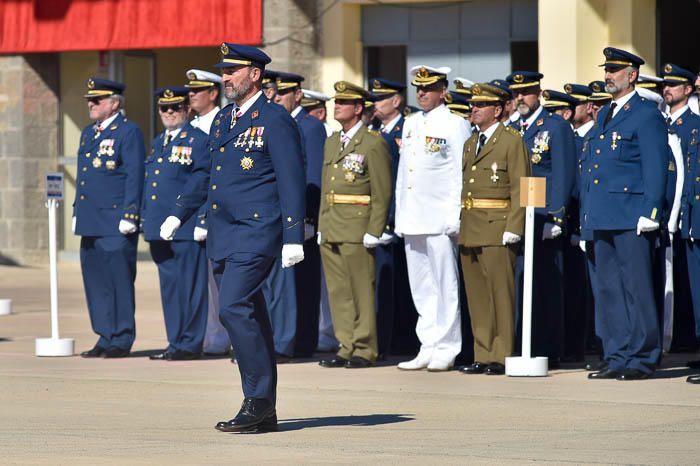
[[174, 107]]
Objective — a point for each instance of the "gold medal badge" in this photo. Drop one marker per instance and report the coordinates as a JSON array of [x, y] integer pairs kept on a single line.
[[350, 177], [111, 165], [536, 158], [97, 162], [246, 163]]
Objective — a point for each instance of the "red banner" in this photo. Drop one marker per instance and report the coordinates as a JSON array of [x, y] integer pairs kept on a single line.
[[67, 25]]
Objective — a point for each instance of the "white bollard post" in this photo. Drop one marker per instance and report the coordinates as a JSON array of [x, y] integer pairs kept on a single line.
[[532, 194], [54, 346], [5, 307]]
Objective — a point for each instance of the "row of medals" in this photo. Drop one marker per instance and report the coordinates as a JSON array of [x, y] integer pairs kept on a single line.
[[110, 164]]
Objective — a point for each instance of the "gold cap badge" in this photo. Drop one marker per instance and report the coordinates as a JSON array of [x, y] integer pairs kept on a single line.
[[224, 49], [191, 75], [340, 86], [376, 84], [568, 89], [668, 68], [422, 73], [518, 78], [91, 84], [168, 94]]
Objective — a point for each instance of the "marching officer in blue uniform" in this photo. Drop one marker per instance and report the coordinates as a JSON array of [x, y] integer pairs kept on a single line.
[[678, 86], [106, 214], [550, 141], [307, 273], [178, 154], [622, 198], [255, 213]]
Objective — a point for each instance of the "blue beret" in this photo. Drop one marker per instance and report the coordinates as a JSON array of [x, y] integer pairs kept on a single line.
[[617, 59], [503, 85], [556, 99], [98, 87], [674, 74], [236, 54], [580, 92], [288, 80], [171, 95], [381, 87], [520, 79]]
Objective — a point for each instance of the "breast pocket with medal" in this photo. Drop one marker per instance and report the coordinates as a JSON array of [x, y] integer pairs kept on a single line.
[[353, 165]]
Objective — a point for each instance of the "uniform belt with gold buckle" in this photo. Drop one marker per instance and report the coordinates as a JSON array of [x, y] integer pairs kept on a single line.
[[354, 199], [472, 203]]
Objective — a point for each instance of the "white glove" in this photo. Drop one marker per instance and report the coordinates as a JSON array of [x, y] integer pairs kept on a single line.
[[308, 231], [670, 236], [318, 238], [646, 224], [510, 238], [126, 227], [451, 230], [370, 241], [551, 231], [582, 245], [292, 254], [386, 238], [200, 234], [72, 225], [169, 227]]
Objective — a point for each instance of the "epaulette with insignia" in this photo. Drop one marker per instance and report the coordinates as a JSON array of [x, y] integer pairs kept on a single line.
[[540, 122], [373, 132], [512, 130]]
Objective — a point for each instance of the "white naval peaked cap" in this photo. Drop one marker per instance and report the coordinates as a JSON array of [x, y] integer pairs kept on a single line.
[[466, 83], [424, 75], [195, 75], [650, 79], [315, 95]]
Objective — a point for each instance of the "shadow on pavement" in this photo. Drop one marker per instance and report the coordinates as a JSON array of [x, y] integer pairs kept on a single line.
[[287, 425]]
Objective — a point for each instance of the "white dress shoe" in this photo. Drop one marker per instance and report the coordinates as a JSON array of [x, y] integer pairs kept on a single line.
[[419, 362], [438, 365]]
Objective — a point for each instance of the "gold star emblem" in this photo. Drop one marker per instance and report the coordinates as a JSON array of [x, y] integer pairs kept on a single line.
[[246, 163], [111, 165]]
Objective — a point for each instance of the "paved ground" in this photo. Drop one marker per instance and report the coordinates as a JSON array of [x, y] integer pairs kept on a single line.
[[136, 411]]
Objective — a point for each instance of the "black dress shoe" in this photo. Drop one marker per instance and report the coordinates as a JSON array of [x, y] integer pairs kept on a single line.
[[476, 368], [633, 374], [114, 352], [495, 368], [256, 415], [335, 362], [181, 355], [357, 362], [695, 364], [604, 374], [282, 358], [695, 379], [95, 352], [164, 356], [596, 366]]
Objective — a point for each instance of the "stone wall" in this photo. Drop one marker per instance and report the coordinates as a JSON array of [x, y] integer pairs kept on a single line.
[[28, 149]]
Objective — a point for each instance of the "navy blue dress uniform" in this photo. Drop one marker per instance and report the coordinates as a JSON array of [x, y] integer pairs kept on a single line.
[[308, 272], [255, 208], [176, 157], [621, 197], [109, 185], [550, 141]]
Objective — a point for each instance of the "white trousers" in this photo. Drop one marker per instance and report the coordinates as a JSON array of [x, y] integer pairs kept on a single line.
[[433, 276], [216, 340]]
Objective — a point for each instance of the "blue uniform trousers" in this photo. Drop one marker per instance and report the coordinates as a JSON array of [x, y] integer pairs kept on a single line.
[[240, 279], [308, 292], [108, 264], [592, 278], [182, 269], [576, 301], [384, 295], [280, 295], [692, 249], [625, 304], [547, 294]]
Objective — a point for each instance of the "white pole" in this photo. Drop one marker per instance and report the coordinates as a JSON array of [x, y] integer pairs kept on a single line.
[[527, 281], [53, 205]]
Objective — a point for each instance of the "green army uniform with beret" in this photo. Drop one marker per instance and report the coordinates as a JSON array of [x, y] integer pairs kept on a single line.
[[355, 197], [490, 207]]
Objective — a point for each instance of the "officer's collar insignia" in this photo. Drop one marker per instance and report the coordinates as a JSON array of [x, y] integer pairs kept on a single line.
[[626, 107], [246, 163], [679, 121], [668, 68], [191, 75], [376, 84], [224, 49], [217, 133], [518, 78], [568, 89], [168, 94], [91, 84], [254, 115], [422, 73], [217, 122], [183, 134], [540, 122]]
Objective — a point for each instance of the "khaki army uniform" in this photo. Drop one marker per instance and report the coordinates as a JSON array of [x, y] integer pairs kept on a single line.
[[490, 207], [355, 197]]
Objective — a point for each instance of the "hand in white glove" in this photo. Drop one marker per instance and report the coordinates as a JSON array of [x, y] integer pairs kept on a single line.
[[646, 224], [126, 227], [451, 230], [308, 231], [169, 227], [582, 245], [670, 236], [72, 225], [370, 241], [386, 238], [200, 234], [292, 254], [318, 238], [510, 238], [551, 231]]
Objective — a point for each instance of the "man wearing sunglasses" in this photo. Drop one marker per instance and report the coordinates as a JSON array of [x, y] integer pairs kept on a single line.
[[109, 184], [178, 158]]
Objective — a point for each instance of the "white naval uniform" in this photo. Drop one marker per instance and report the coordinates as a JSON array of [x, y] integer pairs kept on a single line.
[[428, 203], [216, 340]]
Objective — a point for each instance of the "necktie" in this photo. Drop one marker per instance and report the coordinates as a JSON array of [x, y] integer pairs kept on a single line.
[[523, 127], [168, 139], [669, 121], [344, 139], [576, 133], [98, 131], [235, 115], [608, 117], [482, 141]]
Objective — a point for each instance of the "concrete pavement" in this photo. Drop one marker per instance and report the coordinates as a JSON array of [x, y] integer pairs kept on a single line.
[[136, 411]]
